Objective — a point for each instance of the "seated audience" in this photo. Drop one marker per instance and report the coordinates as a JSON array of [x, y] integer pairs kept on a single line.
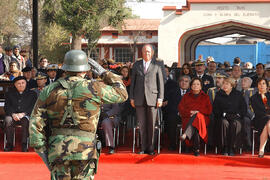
[[41, 79], [186, 70], [229, 108], [52, 73], [248, 117], [267, 72], [213, 129], [260, 103], [43, 63], [27, 73], [18, 107], [109, 118], [34, 72], [18, 58], [207, 81], [259, 74], [13, 72], [195, 109], [8, 58], [212, 70], [236, 74], [173, 99]]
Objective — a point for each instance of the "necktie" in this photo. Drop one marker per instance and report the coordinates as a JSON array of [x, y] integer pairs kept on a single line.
[[145, 69]]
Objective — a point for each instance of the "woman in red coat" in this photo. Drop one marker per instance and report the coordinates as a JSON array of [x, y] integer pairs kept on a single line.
[[195, 109]]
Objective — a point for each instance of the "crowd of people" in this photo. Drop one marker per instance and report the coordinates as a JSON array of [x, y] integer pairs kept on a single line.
[[215, 104]]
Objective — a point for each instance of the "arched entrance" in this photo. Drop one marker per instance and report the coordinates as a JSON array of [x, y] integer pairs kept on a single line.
[[181, 30], [189, 40]]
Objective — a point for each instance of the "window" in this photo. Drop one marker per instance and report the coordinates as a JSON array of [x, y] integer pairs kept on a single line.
[[115, 35], [123, 55], [94, 54], [149, 35]]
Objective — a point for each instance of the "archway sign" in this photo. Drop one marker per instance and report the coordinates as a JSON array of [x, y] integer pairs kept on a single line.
[[181, 30]]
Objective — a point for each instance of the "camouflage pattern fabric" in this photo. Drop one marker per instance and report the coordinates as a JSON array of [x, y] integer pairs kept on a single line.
[[87, 96], [83, 170]]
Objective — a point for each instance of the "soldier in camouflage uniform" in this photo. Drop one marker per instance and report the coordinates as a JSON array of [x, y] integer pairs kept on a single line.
[[71, 107]]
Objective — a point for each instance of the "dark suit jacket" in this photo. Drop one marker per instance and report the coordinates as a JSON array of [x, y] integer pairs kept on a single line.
[[174, 99], [149, 85], [18, 103]]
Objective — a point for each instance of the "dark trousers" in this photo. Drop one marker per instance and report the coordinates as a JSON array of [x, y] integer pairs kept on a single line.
[[108, 125], [231, 131], [193, 134], [146, 117], [247, 131], [171, 128], [9, 129]]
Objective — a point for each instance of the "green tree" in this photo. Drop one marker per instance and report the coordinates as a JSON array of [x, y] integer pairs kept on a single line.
[[85, 17], [53, 42], [9, 28]]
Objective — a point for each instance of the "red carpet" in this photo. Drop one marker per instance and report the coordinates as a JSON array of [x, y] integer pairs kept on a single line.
[[28, 166], [127, 166]]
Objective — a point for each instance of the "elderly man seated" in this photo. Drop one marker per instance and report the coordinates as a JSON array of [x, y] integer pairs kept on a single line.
[[247, 93], [18, 107], [109, 118]]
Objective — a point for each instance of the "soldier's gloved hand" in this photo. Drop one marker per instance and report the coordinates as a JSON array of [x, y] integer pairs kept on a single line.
[[96, 68]]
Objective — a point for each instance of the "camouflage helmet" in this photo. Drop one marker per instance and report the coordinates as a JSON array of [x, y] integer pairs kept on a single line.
[[75, 61]]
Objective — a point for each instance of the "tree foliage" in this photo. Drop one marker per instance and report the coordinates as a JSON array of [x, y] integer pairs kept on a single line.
[[53, 42], [85, 17], [9, 27]]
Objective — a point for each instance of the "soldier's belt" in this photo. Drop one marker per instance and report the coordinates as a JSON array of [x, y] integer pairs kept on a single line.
[[72, 132]]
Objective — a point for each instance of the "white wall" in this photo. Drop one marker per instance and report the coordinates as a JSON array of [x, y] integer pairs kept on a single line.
[[173, 26]]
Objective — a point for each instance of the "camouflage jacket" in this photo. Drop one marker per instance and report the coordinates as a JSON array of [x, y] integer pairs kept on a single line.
[[87, 96]]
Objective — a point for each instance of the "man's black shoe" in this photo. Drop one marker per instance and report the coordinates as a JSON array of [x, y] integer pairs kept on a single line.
[[197, 153], [111, 150], [225, 151], [151, 153], [142, 152]]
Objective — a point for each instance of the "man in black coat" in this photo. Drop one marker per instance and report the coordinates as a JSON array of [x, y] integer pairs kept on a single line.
[[19, 103], [259, 73], [207, 80], [30, 82], [173, 99]]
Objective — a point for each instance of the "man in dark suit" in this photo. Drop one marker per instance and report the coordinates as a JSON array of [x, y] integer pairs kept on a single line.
[[18, 107], [27, 73], [52, 73], [207, 80], [146, 95], [172, 102]]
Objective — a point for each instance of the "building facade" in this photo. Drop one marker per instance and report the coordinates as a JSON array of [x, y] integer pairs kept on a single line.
[[126, 45]]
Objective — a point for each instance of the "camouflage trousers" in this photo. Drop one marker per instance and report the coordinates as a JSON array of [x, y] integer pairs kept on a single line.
[[73, 170]]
